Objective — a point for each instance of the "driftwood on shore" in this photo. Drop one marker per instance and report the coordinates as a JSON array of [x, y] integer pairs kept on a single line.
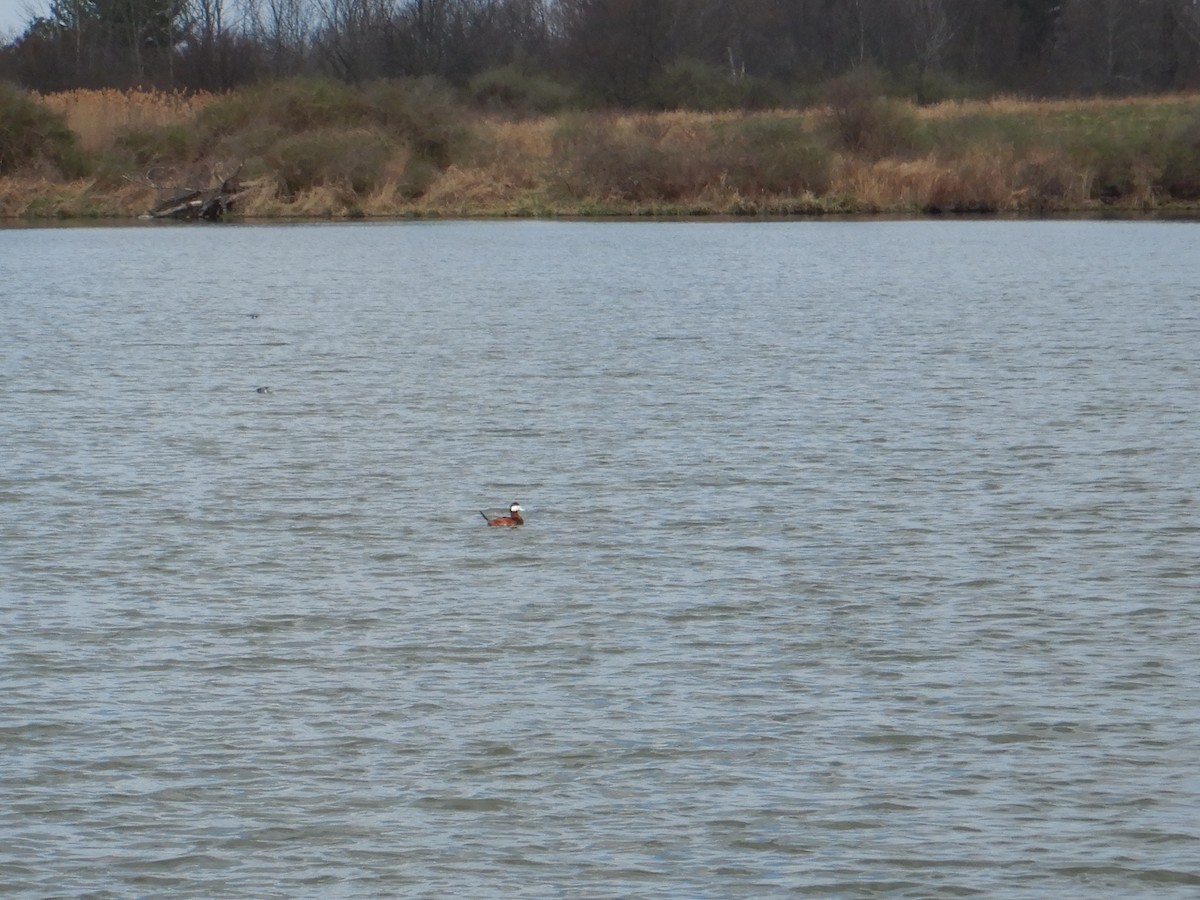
[[197, 204]]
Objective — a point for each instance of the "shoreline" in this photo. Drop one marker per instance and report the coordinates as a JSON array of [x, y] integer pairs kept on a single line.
[[104, 210], [1191, 216], [119, 155]]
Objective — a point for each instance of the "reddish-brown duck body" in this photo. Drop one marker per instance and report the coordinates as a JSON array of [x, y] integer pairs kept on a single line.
[[513, 517]]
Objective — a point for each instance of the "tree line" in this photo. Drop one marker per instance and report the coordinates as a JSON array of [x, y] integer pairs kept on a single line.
[[629, 53]]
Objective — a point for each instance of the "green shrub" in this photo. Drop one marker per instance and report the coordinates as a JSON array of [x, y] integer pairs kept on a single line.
[[152, 145], [305, 123], [419, 175], [298, 104], [1179, 175], [425, 112], [353, 159], [770, 155], [250, 142], [509, 89], [610, 159], [1114, 160], [110, 169], [71, 160], [643, 160], [30, 133], [864, 121]]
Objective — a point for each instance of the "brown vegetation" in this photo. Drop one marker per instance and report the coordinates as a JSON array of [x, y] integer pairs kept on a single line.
[[100, 117], [411, 148]]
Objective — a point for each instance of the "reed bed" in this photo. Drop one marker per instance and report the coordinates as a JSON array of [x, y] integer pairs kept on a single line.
[[98, 117]]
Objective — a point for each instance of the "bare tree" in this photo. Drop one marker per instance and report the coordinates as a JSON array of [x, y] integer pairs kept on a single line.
[[931, 33], [282, 28], [1187, 14], [202, 23], [351, 36]]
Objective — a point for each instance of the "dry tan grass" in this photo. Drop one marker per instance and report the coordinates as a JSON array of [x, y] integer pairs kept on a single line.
[[1046, 179], [260, 198], [527, 139], [97, 117], [41, 198], [982, 180], [386, 200], [16, 194], [321, 201], [397, 162], [466, 191], [887, 184], [517, 167], [1010, 105]]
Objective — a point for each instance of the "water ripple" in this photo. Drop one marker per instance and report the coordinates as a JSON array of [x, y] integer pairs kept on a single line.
[[860, 561]]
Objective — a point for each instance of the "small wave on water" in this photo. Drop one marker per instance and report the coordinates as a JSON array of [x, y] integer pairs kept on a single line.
[[881, 593]]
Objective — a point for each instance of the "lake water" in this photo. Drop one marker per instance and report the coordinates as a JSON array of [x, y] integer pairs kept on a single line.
[[861, 560]]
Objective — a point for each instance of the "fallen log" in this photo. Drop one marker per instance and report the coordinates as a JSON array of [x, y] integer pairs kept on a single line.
[[191, 204]]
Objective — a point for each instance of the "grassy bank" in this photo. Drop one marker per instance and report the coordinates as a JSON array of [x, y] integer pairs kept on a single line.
[[315, 148]]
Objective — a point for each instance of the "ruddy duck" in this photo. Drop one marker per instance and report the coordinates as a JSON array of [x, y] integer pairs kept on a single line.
[[513, 517]]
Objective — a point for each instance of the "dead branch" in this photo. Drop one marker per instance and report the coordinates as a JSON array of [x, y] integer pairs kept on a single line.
[[196, 204]]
